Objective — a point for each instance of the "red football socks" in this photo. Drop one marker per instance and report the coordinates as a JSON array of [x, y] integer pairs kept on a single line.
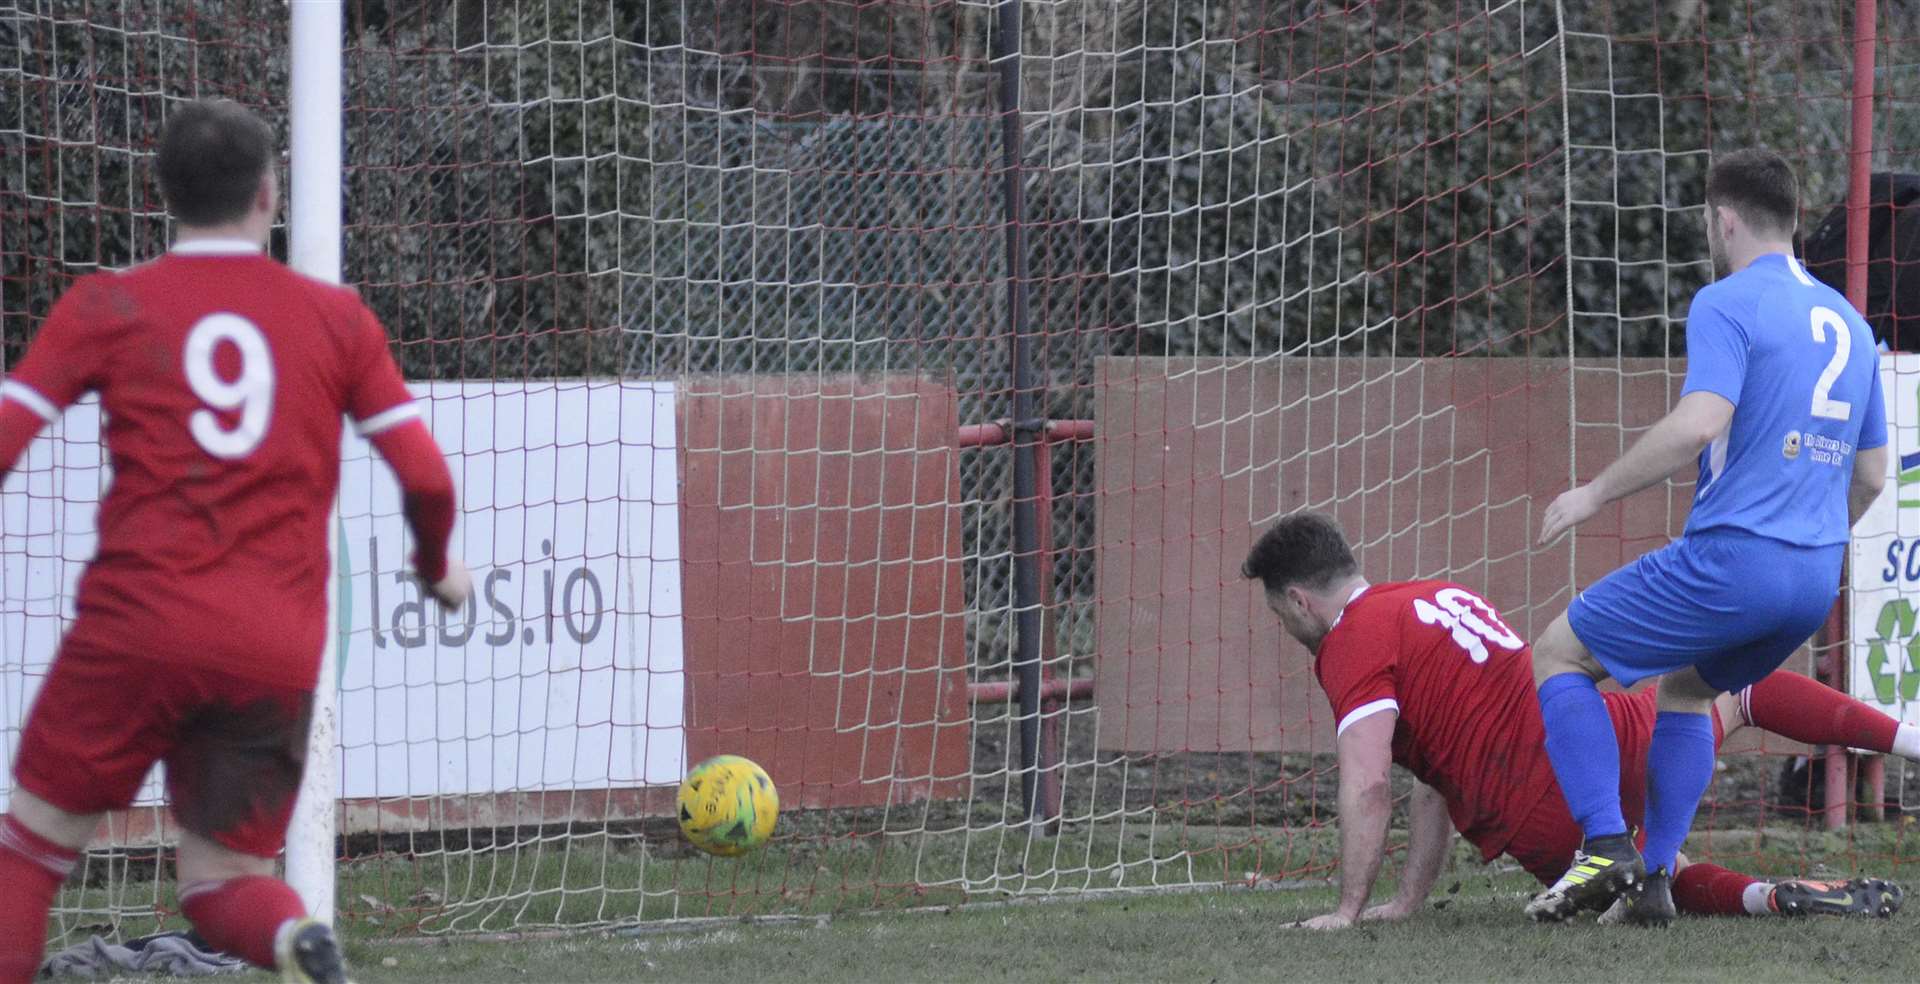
[[1710, 890], [1805, 710], [242, 915], [31, 870]]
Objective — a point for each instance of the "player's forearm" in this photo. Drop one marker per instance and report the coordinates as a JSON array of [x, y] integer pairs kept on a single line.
[[1365, 806], [427, 494], [1670, 446], [1859, 499], [430, 516], [18, 427], [1431, 831], [1869, 479]]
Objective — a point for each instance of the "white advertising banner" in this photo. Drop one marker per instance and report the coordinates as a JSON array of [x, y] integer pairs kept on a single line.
[[1884, 573], [565, 672]]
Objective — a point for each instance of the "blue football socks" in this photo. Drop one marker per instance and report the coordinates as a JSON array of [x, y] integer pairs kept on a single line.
[[1679, 767], [1584, 752]]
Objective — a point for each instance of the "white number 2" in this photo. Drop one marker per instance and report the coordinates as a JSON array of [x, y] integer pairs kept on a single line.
[[251, 392], [1823, 406], [1471, 620]]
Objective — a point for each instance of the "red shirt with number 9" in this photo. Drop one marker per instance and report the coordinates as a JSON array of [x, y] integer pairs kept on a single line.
[[223, 377]]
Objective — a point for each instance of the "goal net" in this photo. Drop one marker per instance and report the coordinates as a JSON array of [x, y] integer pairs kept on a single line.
[[711, 306]]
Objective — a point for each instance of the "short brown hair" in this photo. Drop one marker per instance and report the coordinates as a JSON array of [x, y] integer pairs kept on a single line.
[[1306, 548], [212, 155], [1758, 184]]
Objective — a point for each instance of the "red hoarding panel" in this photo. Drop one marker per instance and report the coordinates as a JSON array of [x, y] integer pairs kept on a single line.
[[825, 625], [1435, 468]]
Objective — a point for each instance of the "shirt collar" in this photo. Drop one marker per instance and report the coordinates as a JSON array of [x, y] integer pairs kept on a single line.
[[1355, 596], [215, 247]]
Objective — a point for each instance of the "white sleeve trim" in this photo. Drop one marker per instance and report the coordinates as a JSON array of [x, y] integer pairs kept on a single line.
[[30, 398], [1366, 710], [388, 419]]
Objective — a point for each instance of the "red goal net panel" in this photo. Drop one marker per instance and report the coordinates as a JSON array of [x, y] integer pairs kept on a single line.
[[710, 307]]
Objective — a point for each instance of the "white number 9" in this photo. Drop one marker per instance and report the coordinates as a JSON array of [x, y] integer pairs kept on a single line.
[[251, 392]]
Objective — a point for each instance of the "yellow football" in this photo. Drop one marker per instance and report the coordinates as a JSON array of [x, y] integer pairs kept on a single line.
[[728, 806]]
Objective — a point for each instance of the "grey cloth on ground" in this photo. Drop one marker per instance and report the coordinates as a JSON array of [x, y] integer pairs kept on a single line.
[[175, 954]]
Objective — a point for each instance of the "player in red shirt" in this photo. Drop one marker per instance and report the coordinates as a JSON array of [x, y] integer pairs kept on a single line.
[[223, 377], [1426, 675]]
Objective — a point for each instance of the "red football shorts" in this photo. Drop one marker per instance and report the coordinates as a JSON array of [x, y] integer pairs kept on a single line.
[[234, 748], [1545, 843]]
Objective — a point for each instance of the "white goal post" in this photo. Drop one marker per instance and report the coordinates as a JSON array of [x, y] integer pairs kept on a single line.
[[314, 242]]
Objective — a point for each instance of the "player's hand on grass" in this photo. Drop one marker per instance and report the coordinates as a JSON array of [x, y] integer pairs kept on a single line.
[[1569, 510], [1387, 912], [453, 590], [1332, 920]]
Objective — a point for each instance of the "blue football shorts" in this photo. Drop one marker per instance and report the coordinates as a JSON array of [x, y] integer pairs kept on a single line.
[[1731, 604]]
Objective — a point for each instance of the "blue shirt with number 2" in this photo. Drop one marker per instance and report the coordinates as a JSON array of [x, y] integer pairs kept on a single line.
[[1803, 374]]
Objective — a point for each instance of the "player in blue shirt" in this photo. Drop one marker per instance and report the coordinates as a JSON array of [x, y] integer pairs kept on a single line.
[[1782, 406]]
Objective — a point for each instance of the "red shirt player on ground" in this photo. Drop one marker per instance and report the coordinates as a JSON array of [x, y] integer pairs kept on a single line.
[[1463, 729], [223, 377], [1428, 676]]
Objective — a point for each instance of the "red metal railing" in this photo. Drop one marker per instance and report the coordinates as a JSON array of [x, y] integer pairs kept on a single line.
[[1054, 693]]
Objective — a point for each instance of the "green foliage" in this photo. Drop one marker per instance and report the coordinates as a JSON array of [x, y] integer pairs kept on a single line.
[[652, 187]]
